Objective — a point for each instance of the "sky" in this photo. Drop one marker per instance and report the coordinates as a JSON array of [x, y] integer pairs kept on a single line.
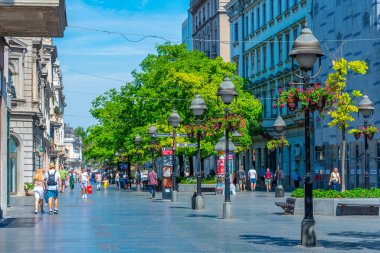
[[86, 55]]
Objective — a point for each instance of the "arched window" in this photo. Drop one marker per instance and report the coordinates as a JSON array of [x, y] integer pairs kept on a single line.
[[366, 20], [12, 166]]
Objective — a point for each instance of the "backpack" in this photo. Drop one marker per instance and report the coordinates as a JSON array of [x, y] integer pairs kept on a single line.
[[51, 179]]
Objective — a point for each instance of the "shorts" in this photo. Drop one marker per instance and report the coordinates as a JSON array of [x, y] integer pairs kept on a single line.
[[38, 192], [242, 181], [83, 184], [267, 181], [252, 180], [52, 194], [64, 182]]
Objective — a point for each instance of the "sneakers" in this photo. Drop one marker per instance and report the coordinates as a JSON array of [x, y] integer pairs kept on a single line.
[[35, 212], [50, 212], [82, 196], [85, 196], [55, 211]]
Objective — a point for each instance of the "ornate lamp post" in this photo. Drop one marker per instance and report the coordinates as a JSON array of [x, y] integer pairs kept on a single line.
[[279, 126], [198, 106], [174, 120], [152, 131], [137, 141], [306, 49], [227, 92], [366, 109]]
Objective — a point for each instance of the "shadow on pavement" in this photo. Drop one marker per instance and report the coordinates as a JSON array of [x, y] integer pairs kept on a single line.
[[180, 207], [356, 234], [333, 244], [201, 216]]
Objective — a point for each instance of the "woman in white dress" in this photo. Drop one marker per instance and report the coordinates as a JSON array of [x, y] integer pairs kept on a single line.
[[39, 190]]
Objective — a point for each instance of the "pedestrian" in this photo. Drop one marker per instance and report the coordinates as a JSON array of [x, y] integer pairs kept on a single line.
[[39, 190], [279, 176], [152, 178], [117, 180], [105, 183], [334, 179], [63, 174], [242, 179], [268, 177], [138, 179], [296, 179], [53, 184], [262, 177], [71, 177], [252, 175], [98, 180], [84, 181]]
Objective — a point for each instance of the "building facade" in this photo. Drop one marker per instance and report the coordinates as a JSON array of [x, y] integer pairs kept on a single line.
[[210, 28], [187, 32], [73, 146], [21, 18], [338, 24], [262, 35], [37, 104]]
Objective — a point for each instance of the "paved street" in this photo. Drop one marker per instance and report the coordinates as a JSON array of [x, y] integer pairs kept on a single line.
[[130, 222]]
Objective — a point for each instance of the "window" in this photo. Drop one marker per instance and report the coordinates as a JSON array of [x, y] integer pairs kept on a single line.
[[295, 33], [264, 57], [271, 9], [204, 13], [316, 9], [246, 26], [366, 21], [280, 49], [287, 39], [252, 21], [271, 46], [215, 6], [208, 10], [253, 62], [279, 7], [246, 66], [338, 39], [258, 18], [236, 32], [264, 14], [258, 56], [286, 4]]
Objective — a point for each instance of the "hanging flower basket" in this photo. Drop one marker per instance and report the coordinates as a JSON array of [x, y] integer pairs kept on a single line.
[[321, 103], [369, 131], [370, 136], [357, 135]]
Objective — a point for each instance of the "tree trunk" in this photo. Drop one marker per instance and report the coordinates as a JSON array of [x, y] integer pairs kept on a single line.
[[343, 159], [181, 167], [191, 165]]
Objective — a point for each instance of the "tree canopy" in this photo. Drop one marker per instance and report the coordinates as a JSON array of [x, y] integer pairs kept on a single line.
[[167, 80]]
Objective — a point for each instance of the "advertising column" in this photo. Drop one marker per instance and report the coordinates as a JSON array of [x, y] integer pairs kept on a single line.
[[220, 170], [167, 166]]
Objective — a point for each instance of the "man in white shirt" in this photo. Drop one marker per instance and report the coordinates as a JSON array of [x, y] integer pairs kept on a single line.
[[252, 175], [53, 184]]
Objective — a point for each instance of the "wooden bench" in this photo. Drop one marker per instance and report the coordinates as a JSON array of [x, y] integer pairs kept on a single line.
[[357, 209], [288, 206]]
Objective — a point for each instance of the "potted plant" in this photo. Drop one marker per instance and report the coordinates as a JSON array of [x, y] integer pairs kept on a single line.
[[28, 187], [272, 145], [356, 132], [369, 131]]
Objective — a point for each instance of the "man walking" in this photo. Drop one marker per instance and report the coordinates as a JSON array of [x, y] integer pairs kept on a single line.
[[252, 175], [98, 179], [63, 174], [53, 183], [152, 178], [241, 179]]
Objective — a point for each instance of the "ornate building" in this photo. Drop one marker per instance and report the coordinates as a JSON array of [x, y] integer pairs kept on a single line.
[[73, 146], [210, 28], [262, 32]]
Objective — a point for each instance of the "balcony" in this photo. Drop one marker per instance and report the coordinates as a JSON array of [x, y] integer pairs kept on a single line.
[[33, 18]]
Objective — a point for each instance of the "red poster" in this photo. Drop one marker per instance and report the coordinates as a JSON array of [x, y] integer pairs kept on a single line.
[[220, 167], [167, 151]]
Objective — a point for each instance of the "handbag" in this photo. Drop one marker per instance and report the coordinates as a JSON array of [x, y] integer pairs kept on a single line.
[[89, 189]]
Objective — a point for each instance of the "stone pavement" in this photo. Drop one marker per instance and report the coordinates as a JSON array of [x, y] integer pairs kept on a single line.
[[131, 222]]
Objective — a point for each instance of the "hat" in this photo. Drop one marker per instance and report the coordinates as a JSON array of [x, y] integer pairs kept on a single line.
[[52, 165]]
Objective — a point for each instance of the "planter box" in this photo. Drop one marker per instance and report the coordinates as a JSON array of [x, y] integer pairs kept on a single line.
[[193, 187], [328, 207]]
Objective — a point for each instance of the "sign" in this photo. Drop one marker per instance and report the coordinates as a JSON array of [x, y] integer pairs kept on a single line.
[[372, 171], [162, 135], [167, 151], [352, 172], [181, 135], [167, 172], [358, 172], [220, 167], [327, 172], [186, 145]]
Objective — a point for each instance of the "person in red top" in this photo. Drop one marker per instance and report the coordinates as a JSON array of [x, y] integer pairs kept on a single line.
[[268, 177], [152, 181]]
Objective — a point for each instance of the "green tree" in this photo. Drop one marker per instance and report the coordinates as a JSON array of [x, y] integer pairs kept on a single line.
[[169, 79], [344, 104]]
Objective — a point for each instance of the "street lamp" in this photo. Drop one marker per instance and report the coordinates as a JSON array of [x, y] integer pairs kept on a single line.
[[366, 109], [137, 141], [227, 92], [174, 120], [198, 106], [279, 126], [152, 131], [306, 49]]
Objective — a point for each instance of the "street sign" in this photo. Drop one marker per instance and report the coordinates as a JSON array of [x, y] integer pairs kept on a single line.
[[162, 135], [186, 144], [181, 135]]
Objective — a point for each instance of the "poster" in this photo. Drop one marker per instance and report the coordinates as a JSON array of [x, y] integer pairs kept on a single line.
[[167, 172]]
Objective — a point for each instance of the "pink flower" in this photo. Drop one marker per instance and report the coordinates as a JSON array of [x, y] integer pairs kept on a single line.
[[307, 99], [275, 106], [282, 105], [280, 90]]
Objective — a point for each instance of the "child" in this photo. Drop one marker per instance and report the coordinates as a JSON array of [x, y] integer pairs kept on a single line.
[[105, 183]]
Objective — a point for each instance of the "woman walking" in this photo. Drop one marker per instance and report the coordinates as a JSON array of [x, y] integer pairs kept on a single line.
[[85, 179], [117, 179], [335, 179], [39, 190], [71, 180]]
